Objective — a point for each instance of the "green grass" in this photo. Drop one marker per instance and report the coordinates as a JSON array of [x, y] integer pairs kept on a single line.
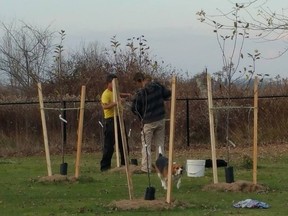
[[22, 194]]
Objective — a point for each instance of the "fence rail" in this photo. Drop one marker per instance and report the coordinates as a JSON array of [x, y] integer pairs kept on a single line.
[[20, 128]]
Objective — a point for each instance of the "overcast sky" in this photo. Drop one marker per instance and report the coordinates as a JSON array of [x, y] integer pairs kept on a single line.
[[170, 27]]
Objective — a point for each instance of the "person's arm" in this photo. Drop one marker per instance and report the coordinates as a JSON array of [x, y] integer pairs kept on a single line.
[[125, 95], [108, 105], [166, 93], [113, 104], [136, 107], [133, 106]]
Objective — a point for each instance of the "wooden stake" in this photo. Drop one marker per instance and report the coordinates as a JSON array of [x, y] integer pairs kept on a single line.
[[80, 131], [123, 136], [171, 140], [44, 127], [255, 138], [116, 127], [212, 132]]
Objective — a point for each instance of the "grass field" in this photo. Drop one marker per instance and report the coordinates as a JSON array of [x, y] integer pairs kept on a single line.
[[94, 192]]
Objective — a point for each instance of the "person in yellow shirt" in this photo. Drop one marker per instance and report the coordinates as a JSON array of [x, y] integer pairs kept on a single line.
[[109, 137]]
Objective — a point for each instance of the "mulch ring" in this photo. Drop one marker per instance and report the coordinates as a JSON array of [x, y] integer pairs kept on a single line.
[[147, 204], [57, 178], [65, 178], [133, 204], [122, 169], [238, 186]]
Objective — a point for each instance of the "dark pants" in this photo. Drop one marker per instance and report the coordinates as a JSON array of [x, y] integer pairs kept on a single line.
[[109, 142]]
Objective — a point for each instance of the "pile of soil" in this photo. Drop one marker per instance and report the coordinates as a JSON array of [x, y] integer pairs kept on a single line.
[[122, 169], [238, 186], [65, 178], [57, 178], [148, 204]]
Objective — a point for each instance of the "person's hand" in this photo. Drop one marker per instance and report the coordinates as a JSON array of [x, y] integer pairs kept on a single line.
[[130, 96], [114, 104], [126, 95], [122, 100]]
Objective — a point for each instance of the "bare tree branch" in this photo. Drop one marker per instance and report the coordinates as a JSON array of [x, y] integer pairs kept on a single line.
[[25, 53]]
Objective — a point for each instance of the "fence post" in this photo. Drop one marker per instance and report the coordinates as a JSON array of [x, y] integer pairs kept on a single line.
[[187, 122], [64, 127]]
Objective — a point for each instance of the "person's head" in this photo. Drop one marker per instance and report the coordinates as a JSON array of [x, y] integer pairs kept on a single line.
[[141, 78], [138, 77], [109, 80], [110, 77]]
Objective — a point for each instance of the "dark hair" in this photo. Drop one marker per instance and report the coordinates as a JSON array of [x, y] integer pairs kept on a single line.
[[110, 77], [138, 77]]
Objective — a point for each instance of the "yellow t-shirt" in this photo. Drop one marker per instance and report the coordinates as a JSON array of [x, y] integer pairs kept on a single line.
[[106, 98]]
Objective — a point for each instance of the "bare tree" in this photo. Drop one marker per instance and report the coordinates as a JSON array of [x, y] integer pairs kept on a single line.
[[231, 34], [136, 56], [258, 21], [25, 54]]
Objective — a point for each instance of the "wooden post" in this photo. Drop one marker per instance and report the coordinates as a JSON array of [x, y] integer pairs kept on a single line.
[[44, 127], [212, 132], [171, 140], [80, 131], [123, 136], [116, 127], [255, 138]]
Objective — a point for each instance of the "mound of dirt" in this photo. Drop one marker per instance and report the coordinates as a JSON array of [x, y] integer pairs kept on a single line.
[[57, 178], [148, 204], [238, 186], [122, 169]]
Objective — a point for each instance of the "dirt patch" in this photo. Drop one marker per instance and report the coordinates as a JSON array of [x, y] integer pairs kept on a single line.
[[63, 178], [238, 186], [147, 204], [133, 204], [122, 169], [57, 178]]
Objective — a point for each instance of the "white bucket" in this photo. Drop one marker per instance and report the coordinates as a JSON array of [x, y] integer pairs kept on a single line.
[[195, 168]]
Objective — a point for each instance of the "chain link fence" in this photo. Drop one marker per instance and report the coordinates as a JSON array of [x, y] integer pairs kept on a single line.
[[21, 126]]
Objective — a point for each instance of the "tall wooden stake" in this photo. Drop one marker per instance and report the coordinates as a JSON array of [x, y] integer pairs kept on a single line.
[[255, 138], [116, 127], [123, 136], [212, 132], [80, 131], [171, 140], [44, 127]]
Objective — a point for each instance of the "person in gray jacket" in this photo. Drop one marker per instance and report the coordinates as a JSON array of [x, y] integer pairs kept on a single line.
[[148, 105]]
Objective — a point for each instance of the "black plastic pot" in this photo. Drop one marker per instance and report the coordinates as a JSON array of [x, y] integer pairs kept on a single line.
[[150, 193], [63, 168], [134, 162], [229, 174]]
